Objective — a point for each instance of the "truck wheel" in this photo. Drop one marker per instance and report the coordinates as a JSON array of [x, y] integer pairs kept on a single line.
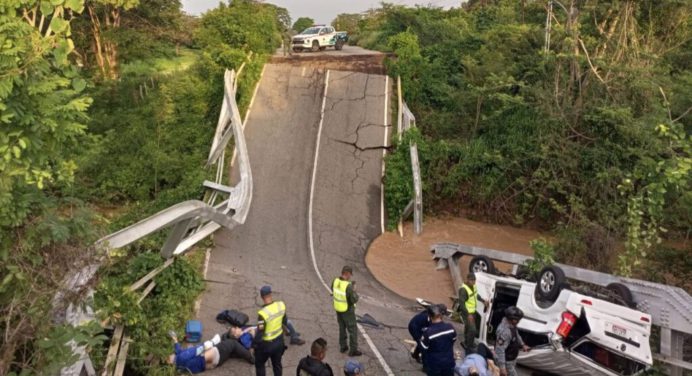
[[622, 294], [481, 264], [315, 46], [339, 45], [551, 280], [296, 49]]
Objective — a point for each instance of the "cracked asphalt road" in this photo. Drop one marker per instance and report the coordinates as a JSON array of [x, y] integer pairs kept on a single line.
[[272, 247]]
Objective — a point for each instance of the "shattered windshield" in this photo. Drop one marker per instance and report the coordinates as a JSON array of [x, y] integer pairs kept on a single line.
[[311, 30]]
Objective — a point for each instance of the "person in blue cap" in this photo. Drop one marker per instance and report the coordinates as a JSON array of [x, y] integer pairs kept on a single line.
[[353, 367], [269, 340]]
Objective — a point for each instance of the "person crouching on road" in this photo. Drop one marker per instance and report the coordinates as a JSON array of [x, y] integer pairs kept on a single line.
[[269, 340], [313, 365], [415, 327], [437, 343], [509, 342], [468, 302], [345, 298]]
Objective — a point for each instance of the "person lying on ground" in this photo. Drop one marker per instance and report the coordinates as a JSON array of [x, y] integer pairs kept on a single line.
[[313, 365], [209, 355], [480, 363]]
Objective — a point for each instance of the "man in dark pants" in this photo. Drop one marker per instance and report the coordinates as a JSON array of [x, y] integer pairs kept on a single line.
[[438, 344], [269, 340], [345, 298], [468, 302], [415, 327], [313, 365]]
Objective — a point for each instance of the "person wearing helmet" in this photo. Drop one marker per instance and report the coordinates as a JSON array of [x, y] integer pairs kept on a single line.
[[509, 342], [437, 343]]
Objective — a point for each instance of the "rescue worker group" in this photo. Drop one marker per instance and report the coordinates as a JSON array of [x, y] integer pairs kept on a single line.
[[434, 338]]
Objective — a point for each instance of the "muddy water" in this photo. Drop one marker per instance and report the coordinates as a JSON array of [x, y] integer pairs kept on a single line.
[[405, 265]]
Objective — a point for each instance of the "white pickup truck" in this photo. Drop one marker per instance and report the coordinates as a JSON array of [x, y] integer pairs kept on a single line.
[[576, 335], [318, 38]]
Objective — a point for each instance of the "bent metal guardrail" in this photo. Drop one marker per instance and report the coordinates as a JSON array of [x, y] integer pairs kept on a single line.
[[191, 221], [406, 121], [670, 307]]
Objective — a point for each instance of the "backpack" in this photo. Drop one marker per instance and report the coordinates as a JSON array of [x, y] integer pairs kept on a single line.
[[232, 317]]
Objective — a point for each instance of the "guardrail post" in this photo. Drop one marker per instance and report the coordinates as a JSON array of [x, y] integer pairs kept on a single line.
[[672, 347], [177, 234]]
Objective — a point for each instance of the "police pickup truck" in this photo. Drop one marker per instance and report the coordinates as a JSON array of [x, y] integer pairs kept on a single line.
[[318, 38]]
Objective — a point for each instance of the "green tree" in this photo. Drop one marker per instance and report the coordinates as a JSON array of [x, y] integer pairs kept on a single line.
[[302, 23], [43, 233]]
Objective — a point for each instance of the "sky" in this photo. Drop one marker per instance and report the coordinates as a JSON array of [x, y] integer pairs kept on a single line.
[[322, 11]]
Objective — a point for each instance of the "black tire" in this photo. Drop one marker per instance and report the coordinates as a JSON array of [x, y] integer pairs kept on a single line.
[[339, 45], [315, 46], [296, 49], [481, 264], [550, 282], [622, 294]]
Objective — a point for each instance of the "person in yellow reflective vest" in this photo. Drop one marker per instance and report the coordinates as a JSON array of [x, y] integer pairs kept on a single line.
[[345, 298], [468, 301], [269, 340]]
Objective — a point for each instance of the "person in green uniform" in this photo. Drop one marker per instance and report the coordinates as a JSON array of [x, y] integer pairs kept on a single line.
[[468, 302], [345, 298]]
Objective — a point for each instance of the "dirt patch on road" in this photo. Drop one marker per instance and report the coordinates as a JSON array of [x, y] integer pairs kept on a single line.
[[371, 64], [405, 265]]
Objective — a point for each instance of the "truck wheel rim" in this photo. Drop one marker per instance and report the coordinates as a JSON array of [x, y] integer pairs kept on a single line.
[[547, 281], [480, 266]]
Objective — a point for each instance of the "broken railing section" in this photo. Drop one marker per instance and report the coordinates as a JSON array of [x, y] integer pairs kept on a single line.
[[406, 121], [670, 307], [193, 220], [190, 222]]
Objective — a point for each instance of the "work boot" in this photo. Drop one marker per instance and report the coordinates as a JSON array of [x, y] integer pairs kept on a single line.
[[297, 341], [355, 353], [343, 349]]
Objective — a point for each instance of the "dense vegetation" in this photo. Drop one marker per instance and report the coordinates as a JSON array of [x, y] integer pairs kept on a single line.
[[107, 110], [588, 136]]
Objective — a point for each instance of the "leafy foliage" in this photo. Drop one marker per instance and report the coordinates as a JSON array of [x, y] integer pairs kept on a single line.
[[167, 307], [302, 23], [517, 131]]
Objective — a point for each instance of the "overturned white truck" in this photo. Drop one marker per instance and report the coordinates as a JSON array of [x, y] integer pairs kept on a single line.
[[576, 335]]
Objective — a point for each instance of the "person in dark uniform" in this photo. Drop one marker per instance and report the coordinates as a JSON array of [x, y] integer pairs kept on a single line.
[[415, 327], [509, 342], [468, 302], [438, 344], [345, 298], [313, 365], [269, 340]]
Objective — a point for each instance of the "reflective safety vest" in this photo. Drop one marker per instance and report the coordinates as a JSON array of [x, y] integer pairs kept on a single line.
[[472, 299], [273, 316], [339, 292]]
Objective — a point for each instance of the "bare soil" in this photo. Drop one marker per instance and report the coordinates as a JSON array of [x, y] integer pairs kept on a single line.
[[405, 265]]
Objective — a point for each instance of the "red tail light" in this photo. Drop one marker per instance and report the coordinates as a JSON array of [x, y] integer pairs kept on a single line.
[[568, 321], [587, 302], [645, 319]]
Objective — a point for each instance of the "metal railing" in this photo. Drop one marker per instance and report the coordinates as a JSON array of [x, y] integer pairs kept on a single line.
[[406, 121], [670, 307], [190, 222]]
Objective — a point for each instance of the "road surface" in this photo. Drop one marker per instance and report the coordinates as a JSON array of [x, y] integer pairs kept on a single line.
[[273, 246], [315, 139]]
